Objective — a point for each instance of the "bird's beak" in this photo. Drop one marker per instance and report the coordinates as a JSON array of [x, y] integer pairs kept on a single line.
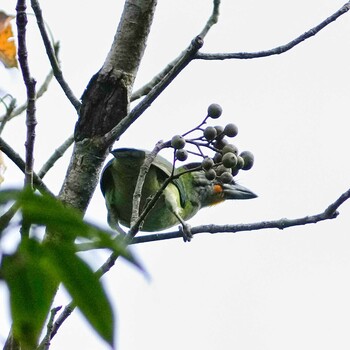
[[235, 191]]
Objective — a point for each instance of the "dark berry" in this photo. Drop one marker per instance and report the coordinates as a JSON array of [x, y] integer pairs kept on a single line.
[[248, 160], [229, 160], [210, 133], [178, 142], [217, 157], [181, 154], [214, 111], [230, 148], [210, 174], [226, 177], [207, 163]]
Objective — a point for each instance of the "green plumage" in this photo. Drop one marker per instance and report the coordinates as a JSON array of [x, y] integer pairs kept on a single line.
[[180, 201]]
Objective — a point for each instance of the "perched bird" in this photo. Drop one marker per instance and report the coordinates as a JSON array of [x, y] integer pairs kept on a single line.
[[180, 200]]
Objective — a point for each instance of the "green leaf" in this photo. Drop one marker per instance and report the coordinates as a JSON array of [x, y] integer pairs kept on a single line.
[[48, 211], [67, 222], [7, 196], [84, 287], [32, 288]]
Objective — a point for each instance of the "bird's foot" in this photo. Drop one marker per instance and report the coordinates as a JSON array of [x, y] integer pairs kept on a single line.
[[186, 232]]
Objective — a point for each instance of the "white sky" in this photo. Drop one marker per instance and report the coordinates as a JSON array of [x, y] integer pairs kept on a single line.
[[266, 290]]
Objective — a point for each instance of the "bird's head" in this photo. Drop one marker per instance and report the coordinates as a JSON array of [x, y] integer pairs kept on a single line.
[[209, 192]]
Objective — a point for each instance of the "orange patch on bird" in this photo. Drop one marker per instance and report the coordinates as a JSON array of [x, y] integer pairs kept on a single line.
[[217, 189], [218, 194]]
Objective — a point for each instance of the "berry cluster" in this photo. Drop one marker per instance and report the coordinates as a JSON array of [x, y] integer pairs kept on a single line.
[[226, 161]]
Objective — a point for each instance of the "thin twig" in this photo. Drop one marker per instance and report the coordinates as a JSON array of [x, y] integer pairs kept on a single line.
[[30, 83], [277, 50], [42, 89], [45, 344], [52, 57], [7, 116], [140, 182], [16, 158], [65, 313], [144, 90], [19, 110], [213, 19], [59, 152]]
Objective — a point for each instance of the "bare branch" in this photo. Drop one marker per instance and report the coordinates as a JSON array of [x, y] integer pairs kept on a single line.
[[30, 83], [59, 152], [63, 316], [19, 110], [16, 158], [329, 213], [137, 219], [9, 110], [213, 19], [45, 344], [277, 50], [52, 57]]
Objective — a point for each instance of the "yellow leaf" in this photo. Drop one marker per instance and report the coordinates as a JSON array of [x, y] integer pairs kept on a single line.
[[8, 50]]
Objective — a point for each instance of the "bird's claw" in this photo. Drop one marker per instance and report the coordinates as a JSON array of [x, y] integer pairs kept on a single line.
[[186, 232]]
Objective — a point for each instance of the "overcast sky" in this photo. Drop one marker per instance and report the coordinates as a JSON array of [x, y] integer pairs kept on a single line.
[[266, 290]]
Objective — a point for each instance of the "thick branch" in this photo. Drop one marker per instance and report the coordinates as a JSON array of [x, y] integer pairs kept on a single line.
[[105, 102], [277, 50]]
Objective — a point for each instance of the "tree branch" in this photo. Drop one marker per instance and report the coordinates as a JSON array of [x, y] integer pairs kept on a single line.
[[137, 219], [45, 344], [277, 50], [19, 110], [16, 158], [30, 87], [59, 152], [329, 213], [213, 19]]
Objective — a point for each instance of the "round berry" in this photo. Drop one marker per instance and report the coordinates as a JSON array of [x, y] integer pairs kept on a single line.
[[210, 174], [207, 163], [226, 177], [220, 144], [217, 157], [229, 160], [230, 148], [210, 133], [178, 142], [235, 171], [248, 160], [240, 162], [222, 169], [231, 130], [214, 111], [181, 154], [219, 132]]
